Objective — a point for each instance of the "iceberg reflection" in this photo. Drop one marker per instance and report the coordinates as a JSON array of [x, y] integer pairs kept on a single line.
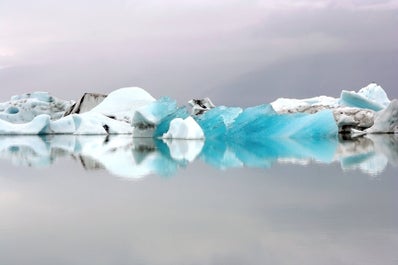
[[129, 157]]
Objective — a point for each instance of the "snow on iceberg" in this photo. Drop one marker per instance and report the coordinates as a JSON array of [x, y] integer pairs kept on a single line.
[[121, 103], [24, 108], [39, 125]]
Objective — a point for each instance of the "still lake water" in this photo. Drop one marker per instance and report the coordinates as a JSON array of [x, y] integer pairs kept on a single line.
[[118, 200]]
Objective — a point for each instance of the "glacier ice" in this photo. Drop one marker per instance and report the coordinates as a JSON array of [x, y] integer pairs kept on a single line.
[[39, 125], [186, 128], [200, 106], [386, 121], [24, 108], [370, 97], [86, 103], [121, 103], [134, 111], [259, 123], [153, 120]]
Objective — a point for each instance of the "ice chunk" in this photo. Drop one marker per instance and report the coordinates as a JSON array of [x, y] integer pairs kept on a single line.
[[65, 125], [24, 108], [370, 97], [86, 103], [184, 129], [121, 103], [154, 119], [375, 93], [154, 112], [39, 125], [164, 123], [96, 123], [386, 120], [262, 122], [200, 106], [86, 123], [287, 105], [353, 118], [215, 122]]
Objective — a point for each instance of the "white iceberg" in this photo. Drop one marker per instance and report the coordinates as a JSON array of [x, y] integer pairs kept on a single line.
[[386, 120], [353, 110], [184, 129], [39, 125], [121, 103], [111, 116], [24, 108]]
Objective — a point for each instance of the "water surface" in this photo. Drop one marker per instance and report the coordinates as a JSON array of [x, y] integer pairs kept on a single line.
[[118, 200]]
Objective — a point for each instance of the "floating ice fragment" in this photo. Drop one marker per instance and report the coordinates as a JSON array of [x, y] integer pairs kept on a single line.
[[200, 106], [121, 103], [184, 129], [24, 108], [86, 103], [386, 120], [39, 125], [370, 97]]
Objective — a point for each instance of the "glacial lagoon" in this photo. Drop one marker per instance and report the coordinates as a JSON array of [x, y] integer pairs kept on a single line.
[[121, 200]]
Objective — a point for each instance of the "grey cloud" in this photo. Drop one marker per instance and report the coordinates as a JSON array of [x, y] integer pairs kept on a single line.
[[190, 49]]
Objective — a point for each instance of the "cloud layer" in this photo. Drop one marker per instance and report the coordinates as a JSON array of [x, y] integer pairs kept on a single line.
[[191, 48]]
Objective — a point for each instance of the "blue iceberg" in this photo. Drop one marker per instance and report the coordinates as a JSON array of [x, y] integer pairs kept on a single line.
[[258, 123]]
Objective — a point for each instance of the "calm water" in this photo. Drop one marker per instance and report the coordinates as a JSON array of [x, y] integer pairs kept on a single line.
[[117, 200]]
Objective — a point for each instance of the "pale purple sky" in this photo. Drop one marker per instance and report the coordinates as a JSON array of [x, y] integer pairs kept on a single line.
[[238, 52]]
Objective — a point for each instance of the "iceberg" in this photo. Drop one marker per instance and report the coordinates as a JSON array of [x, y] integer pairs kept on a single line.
[[386, 121], [186, 128], [121, 103], [259, 123], [200, 106], [153, 120], [86, 103], [134, 111], [24, 108], [370, 97]]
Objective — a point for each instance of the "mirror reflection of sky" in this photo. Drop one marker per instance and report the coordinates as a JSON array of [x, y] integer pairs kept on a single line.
[[124, 156]]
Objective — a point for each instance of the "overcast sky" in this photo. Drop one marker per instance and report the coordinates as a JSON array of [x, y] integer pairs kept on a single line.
[[238, 52]]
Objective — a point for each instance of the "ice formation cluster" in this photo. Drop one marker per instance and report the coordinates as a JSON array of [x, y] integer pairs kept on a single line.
[[134, 111]]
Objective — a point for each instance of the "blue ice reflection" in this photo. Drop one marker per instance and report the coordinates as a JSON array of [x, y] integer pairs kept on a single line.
[[129, 157]]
